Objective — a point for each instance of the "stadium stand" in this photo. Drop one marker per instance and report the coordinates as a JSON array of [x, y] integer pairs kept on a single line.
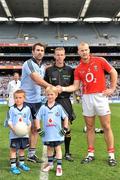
[[53, 34]]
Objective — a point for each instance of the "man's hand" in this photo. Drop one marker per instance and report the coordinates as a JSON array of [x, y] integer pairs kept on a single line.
[[108, 92], [59, 88], [41, 132], [63, 131]]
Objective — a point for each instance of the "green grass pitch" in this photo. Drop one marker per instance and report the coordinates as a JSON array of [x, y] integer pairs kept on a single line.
[[97, 170]]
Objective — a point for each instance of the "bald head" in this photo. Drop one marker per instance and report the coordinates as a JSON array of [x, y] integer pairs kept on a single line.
[[83, 44]]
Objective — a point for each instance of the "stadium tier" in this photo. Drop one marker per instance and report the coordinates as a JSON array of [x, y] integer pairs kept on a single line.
[[55, 34]]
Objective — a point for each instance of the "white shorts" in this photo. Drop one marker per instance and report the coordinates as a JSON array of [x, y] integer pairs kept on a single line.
[[95, 104]]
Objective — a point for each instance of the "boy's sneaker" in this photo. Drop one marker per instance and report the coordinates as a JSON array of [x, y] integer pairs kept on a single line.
[[34, 159], [112, 162], [68, 157], [15, 170], [88, 159], [24, 167], [59, 171], [47, 168]]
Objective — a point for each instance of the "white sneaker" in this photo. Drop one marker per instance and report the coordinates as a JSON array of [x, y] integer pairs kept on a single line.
[[47, 168], [59, 171]]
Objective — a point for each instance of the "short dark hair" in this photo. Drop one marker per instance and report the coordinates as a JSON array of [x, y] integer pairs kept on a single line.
[[60, 49], [38, 44]]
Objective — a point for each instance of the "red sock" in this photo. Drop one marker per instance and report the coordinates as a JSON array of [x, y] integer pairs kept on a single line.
[[111, 150], [91, 149]]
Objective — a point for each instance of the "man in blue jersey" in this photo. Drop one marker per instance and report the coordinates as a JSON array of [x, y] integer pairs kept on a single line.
[[55, 126], [31, 82]]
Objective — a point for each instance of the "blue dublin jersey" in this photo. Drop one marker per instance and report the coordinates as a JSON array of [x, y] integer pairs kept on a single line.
[[16, 114], [52, 121], [32, 90]]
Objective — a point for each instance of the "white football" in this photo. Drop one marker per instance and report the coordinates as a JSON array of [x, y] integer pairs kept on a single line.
[[21, 129]]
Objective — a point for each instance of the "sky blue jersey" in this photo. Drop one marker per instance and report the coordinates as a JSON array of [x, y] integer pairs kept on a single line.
[[51, 121], [32, 90], [16, 114]]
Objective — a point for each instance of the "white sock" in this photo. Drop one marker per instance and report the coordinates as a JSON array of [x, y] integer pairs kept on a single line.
[[90, 154], [112, 155], [13, 165]]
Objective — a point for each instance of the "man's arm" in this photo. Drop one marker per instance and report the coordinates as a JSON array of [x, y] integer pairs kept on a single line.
[[75, 86], [39, 80], [113, 74]]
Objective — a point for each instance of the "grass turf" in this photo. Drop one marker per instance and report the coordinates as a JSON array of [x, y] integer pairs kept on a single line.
[[97, 170]]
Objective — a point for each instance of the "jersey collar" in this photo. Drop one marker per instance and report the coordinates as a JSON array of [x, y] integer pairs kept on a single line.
[[34, 60], [15, 106], [46, 104], [63, 67]]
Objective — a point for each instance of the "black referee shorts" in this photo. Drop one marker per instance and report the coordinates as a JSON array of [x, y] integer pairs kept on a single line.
[[66, 103], [34, 107]]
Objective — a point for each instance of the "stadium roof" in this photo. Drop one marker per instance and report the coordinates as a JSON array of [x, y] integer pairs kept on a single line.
[[48, 10]]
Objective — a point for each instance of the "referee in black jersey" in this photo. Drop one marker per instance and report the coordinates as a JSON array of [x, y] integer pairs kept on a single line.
[[61, 74]]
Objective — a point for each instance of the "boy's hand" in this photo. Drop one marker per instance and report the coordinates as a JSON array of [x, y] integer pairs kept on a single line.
[[41, 132], [63, 131]]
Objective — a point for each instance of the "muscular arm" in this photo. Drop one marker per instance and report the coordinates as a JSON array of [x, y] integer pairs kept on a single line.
[[113, 75], [39, 80], [113, 83], [75, 86]]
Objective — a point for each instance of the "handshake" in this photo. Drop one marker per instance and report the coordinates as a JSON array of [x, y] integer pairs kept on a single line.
[[60, 88]]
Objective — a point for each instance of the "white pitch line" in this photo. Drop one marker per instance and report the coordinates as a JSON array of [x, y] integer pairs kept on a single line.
[[44, 175]]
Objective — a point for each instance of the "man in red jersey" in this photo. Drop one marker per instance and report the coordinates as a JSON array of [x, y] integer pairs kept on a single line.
[[91, 73]]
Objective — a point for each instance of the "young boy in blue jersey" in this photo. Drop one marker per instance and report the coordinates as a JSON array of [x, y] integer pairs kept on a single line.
[[18, 112], [54, 126]]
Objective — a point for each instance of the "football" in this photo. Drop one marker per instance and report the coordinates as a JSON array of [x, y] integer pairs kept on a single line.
[[21, 129]]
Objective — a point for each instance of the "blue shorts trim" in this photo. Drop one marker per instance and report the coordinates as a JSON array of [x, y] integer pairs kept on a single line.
[[19, 143]]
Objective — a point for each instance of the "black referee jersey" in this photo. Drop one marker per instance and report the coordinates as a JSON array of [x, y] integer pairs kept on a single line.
[[63, 76]]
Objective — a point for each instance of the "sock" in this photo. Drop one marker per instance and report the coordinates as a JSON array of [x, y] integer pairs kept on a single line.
[[111, 153], [59, 162], [67, 145], [91, 151], [50, 160], [13, 162], [21, 160], [31, 152]]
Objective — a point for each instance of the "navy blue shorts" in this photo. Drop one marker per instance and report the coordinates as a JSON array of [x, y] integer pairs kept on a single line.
[[53, 143], [19, 143], [34, 107]]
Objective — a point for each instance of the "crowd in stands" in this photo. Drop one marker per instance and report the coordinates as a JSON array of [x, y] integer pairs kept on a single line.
[[5, 79], [115, 64], [72, 63], [12, 63]]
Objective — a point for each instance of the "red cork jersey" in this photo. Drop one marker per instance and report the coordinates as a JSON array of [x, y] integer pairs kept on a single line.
[[92, 74]]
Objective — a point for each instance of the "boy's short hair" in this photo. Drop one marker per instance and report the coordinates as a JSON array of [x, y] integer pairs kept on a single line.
[[20, 91], [51, 89]]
